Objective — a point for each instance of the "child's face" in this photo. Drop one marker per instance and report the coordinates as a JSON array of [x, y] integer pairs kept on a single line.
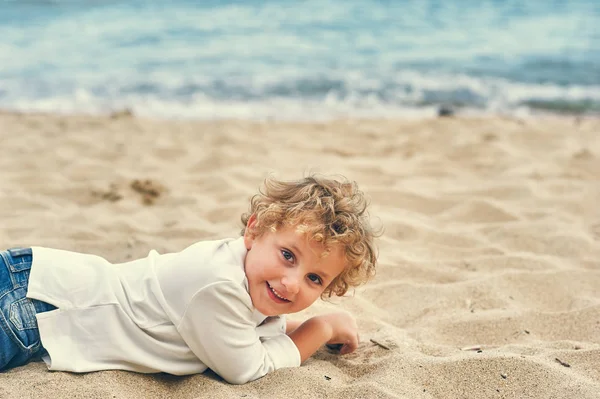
[[286, 272]]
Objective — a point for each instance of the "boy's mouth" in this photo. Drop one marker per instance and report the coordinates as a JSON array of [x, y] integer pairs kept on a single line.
[[276, 295]]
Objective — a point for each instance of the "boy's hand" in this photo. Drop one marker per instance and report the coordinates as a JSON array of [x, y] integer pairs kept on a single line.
[[333, 328], [344, 331]]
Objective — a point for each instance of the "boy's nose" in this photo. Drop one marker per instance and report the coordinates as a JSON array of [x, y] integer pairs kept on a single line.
[[291, 282]]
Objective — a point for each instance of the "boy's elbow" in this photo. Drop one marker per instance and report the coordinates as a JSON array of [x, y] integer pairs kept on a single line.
[[236, 379], [239, 378], [244, 368], [242, 375]]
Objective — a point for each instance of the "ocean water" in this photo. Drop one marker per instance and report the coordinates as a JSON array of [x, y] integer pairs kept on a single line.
[[299, 60]]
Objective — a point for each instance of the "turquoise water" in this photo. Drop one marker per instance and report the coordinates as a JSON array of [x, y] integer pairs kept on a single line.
[[299, 60]]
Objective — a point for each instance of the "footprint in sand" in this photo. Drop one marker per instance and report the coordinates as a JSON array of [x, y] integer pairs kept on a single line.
[[148, 189]]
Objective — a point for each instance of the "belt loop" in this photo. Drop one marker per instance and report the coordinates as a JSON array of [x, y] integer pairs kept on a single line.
[[18, 252]]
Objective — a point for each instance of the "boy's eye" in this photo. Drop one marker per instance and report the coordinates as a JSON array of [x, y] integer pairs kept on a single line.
[[287, 255], [315, 279]]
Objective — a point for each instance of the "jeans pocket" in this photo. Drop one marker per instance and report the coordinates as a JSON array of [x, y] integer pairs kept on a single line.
[[17, 319], [22, 314]]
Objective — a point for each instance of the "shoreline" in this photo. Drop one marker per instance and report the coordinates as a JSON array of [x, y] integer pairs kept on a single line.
[[441, 112]]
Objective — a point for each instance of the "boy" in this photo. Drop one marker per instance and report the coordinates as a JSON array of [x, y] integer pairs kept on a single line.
[[216, 304]]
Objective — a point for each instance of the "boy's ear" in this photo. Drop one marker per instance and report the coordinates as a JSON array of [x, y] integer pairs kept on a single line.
[[249, 232]]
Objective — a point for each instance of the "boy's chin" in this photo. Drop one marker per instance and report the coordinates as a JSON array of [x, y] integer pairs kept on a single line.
[[272, 311], [269, 312]]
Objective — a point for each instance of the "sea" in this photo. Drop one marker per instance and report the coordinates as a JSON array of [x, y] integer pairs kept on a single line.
[[300, 60]]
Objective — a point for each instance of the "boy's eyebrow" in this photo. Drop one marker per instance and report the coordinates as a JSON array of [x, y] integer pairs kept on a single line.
[[325, 275]]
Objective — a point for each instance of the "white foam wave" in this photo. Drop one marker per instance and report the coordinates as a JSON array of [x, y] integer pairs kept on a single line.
[[363, 96], [207, 109]]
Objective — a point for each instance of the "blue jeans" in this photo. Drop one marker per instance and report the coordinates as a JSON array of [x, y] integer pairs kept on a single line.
[[19, 335]]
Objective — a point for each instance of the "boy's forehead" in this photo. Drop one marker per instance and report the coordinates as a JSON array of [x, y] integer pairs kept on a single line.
[[301, 234], [315, 244]]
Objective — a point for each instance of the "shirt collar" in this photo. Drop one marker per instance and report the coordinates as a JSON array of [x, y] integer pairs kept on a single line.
[[238, 248]]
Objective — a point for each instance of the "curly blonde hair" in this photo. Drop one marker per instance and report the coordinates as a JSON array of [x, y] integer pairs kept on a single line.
[[329, 211]]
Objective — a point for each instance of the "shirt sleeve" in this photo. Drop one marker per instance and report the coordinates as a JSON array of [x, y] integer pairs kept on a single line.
[[218, 327]]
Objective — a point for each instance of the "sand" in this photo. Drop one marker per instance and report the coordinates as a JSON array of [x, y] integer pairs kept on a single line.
[[489, 278]]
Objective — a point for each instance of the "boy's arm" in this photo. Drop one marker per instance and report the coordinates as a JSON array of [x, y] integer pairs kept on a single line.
[[218, 327], [335, 328], [310, 336]]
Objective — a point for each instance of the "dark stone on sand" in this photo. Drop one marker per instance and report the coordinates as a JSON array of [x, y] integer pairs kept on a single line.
[[124, 113], [444, 111]]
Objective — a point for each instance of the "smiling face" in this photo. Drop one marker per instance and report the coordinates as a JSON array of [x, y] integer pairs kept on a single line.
[[286, 272]]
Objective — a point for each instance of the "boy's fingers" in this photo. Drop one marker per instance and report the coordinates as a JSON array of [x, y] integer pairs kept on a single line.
[[350, 346]]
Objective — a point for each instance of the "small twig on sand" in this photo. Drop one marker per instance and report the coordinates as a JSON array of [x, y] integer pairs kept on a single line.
[[565, 364], [384, 346]]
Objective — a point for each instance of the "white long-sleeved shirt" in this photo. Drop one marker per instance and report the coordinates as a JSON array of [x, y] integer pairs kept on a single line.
[[178, 313]]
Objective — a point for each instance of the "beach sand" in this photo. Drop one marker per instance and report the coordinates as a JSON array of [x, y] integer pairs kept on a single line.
[[488, 284]]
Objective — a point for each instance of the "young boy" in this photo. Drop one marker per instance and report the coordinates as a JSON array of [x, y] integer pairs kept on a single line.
[[216, 304]]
